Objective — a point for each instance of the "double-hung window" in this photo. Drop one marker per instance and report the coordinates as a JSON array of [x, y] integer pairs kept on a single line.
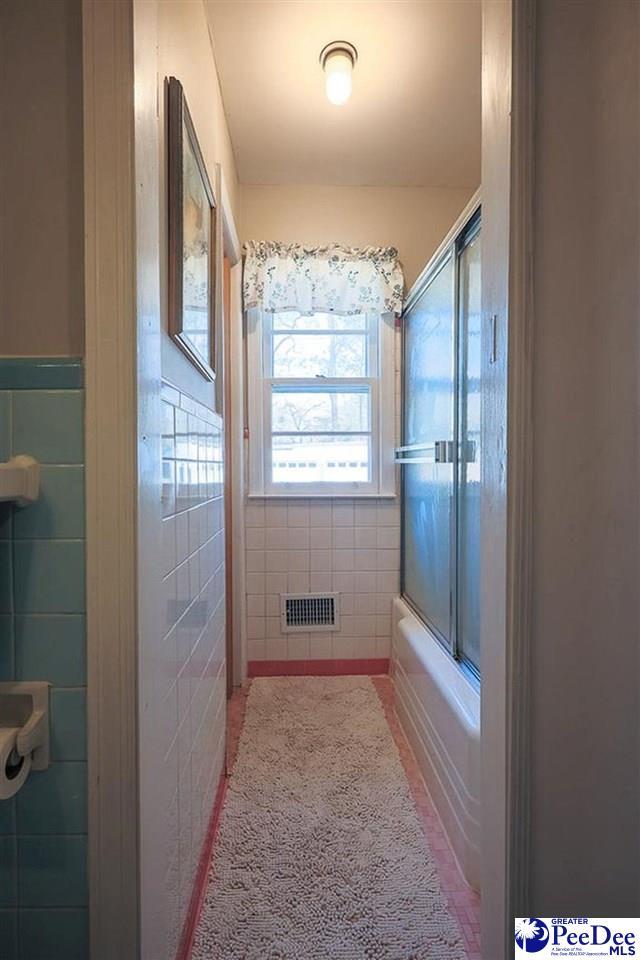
[[321, 392]]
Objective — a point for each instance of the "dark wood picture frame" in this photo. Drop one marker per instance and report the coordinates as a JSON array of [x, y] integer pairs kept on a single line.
[[181, 138]]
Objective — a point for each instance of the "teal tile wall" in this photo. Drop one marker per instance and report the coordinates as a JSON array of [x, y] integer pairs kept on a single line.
[[68, 929], [48, 425], [43, 830]]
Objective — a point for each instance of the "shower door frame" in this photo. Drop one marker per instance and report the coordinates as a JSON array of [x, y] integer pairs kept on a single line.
[[465, 229]]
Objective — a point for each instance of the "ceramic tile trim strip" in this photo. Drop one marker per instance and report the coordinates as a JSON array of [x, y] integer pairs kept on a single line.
[[183, 401], [41, 373]]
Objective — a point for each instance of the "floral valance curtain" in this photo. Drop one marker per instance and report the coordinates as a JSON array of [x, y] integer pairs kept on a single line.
[[333, 279]]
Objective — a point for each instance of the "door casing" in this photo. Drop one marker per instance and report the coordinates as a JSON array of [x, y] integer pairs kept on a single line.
[[111, 439], [508, 98]]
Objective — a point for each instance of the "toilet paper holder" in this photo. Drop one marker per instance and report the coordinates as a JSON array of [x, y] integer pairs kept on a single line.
[[20, 480], [25, 704]]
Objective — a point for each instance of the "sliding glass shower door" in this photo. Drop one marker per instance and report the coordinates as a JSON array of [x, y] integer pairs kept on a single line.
[[428, 471], [440, 453]]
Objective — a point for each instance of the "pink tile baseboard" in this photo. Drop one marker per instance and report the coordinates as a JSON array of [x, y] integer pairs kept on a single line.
[[202, 874], [317, 668]]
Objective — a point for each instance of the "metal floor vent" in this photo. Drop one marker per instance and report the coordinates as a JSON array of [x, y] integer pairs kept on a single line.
[[305, 612]]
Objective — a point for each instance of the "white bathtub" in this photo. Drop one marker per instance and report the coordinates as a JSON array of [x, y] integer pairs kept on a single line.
[[439, 709]]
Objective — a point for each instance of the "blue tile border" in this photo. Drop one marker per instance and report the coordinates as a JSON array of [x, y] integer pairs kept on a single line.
[[41, 373]]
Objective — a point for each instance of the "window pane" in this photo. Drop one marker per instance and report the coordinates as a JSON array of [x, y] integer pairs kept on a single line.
[[325, 355], [309, 459], [290, 320], [320, 409]]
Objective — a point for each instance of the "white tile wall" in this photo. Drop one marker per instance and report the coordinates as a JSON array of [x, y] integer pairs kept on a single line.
[[296, 546], [193, 645]]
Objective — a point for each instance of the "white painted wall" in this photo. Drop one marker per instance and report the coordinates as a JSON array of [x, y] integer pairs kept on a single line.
[[413, 219], [185, 51], [181, 517], [41, 179], [585, 804]]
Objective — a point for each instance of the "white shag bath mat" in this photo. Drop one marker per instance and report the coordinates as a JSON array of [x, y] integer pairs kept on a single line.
[[320, 854]]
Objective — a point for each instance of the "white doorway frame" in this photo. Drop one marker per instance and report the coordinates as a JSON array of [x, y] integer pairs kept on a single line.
[[112, 472], [118, 447], [233, 250], [508, 88], [111, 477]]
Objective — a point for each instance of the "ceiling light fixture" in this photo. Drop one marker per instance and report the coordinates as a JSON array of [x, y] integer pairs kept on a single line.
[[338, 60]]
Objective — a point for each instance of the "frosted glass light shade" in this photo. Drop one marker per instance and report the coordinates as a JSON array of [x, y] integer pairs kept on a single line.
[[338, 68]]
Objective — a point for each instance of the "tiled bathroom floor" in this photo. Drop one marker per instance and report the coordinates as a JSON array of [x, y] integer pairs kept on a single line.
[[463, 902]]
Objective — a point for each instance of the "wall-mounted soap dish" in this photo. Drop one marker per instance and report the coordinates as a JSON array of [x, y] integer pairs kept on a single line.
[[20, 480]]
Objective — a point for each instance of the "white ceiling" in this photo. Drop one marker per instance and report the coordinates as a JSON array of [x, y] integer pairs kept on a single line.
[[413, 118]]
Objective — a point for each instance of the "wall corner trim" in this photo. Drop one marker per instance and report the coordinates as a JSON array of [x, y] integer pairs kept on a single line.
[[508, 58], [520, 464], [111, 476]]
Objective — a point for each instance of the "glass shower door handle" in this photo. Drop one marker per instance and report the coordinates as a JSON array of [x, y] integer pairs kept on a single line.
[[445, 451], [416, 453], [442, 451]]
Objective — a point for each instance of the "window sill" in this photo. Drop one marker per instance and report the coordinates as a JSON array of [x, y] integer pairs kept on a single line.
[[322, 496]]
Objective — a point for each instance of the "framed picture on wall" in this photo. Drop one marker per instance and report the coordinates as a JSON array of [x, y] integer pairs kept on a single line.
[[192, 232]]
